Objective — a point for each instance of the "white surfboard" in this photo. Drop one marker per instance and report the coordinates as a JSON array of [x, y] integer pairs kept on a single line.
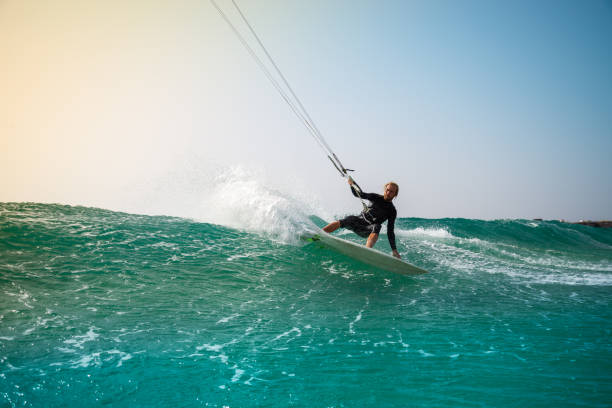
[[366, 255]]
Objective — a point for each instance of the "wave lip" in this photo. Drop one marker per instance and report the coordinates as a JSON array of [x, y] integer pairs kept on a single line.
[[83, 239]]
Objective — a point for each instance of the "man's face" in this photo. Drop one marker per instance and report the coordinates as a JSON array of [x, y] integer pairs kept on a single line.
[[390, 192]]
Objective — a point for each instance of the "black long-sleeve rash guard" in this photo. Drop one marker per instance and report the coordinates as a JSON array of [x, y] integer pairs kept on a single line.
[[380, 211]]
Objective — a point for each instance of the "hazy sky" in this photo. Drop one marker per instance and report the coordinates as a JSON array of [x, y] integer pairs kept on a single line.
[[478, 109]]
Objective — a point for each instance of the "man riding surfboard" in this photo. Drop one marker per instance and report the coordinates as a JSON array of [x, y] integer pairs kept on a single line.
[[369, 222]]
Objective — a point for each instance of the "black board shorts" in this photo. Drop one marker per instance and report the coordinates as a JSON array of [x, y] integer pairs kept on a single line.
[[359, 226]]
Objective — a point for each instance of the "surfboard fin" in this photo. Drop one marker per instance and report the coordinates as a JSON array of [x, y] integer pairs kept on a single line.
[[311, 238]]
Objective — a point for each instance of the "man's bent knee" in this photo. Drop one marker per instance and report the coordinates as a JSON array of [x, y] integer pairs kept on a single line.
[[331, 227]]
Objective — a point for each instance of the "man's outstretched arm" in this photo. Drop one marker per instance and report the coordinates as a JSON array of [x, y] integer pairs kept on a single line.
[[391, 235], [358, 193]]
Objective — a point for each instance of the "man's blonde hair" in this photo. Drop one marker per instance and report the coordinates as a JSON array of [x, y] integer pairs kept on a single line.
[[395, 185]]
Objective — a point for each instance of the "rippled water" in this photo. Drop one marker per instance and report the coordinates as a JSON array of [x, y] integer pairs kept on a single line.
[[105, 308]]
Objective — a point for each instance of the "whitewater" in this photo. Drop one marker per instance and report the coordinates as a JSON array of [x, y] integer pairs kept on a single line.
[[106, 308]]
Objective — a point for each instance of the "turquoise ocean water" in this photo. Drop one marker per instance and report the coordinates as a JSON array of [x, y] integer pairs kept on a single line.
[[101, 308]]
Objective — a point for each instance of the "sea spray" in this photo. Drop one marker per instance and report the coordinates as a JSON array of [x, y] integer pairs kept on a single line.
[[245, 200]]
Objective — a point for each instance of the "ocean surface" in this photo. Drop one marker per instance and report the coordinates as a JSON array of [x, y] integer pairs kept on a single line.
[[103, 308]]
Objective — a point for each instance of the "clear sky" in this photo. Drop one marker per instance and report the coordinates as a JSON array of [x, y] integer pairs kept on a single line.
[[478, 109]]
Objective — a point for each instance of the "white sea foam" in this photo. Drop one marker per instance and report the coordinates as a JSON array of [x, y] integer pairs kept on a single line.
[[23, 297], [40, 322], [78, 341], [425, 232], [426, 354], [558, 277], [98, 358], [228, 318], [210, 347], [561, 263], [122, 356], [87, 360], [237, 374], [357, 319], [224, 359], [287, 333]]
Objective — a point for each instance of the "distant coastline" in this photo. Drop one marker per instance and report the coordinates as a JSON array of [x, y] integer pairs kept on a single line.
[[597, 224]]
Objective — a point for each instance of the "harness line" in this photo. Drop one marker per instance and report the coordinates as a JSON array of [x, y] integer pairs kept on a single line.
[[299, 110]]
